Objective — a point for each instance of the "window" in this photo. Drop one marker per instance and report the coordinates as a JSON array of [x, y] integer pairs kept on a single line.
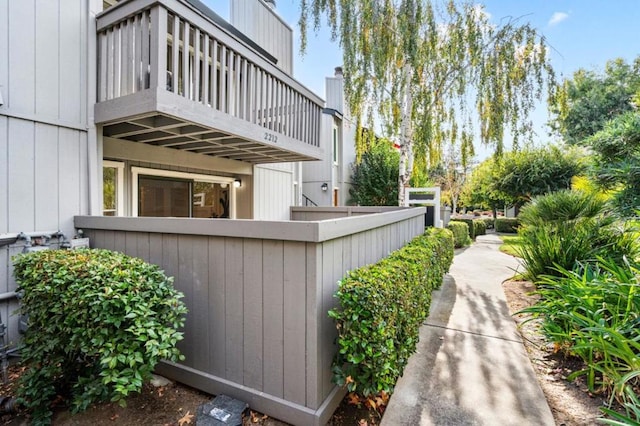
[[164, 193], [112, 188], [335, 145]]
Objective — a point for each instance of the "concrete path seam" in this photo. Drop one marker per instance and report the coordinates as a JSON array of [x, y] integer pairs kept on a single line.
[[472, 332]]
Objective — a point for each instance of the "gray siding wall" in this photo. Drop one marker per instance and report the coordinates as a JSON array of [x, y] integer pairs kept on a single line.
[[263, 25], [273, 194], [257, 327], [47, 141]]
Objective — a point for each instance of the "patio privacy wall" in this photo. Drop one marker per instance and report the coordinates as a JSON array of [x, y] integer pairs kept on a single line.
[[258, 293]]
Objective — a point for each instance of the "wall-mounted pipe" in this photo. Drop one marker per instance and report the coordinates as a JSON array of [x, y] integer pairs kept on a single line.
[[12, 238]]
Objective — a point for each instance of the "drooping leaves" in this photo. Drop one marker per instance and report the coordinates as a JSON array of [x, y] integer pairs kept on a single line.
[[428, 67]]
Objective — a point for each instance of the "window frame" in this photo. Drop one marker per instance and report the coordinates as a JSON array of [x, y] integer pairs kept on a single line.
[[144, 171], [119, 166]]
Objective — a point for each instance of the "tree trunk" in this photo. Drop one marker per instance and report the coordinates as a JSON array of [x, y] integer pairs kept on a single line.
[[406, 137]]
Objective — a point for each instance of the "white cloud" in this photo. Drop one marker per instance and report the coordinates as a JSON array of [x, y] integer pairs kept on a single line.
[[557, 17]]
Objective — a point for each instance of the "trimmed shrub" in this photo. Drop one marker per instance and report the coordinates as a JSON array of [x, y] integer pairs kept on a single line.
[[460, 232], [489, 222], [470, 226], [479, 227], [382, 307], [507, 225], [99, 322]]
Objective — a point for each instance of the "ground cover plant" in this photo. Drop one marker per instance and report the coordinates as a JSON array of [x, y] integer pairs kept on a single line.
[[593, 312], [381, 308], [98, 323]]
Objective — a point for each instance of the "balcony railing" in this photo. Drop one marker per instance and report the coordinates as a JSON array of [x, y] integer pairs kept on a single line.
[[170, 46]]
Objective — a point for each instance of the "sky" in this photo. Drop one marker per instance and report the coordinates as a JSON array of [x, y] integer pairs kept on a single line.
[[581, 33]]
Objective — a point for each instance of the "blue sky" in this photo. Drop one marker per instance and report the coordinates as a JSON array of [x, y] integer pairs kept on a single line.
[[582, 33]]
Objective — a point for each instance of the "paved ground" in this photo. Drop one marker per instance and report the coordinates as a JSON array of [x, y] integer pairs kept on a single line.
[[471, 367]]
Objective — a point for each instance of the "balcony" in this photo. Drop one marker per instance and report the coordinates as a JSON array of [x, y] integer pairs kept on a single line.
[[171, 75]]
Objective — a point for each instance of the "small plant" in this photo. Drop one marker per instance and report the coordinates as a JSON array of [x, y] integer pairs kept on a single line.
[[460, 232], [381, 309], [99, 322], [507, 225]]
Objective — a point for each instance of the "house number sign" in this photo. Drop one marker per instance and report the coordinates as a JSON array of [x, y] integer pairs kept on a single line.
[[270, 137]]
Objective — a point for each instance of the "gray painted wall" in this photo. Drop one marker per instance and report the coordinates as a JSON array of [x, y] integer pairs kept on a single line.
[[258, 295], [47, 139], [336, 176], [264, 26]]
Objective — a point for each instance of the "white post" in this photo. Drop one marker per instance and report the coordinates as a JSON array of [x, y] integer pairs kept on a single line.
[[436, 208]]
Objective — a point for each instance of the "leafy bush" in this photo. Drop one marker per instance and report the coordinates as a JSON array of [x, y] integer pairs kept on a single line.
[[381, 309], [470, 226], [592, 312], [460, 232], [479, 227], [99, 322], [375, 177], [489, 222], [566, 227], [507, 225]]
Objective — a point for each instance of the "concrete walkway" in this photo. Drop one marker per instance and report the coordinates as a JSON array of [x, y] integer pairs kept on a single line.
[[471, 367]]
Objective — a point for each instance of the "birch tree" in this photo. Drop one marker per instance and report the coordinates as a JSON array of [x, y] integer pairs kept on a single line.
[[433, 71]]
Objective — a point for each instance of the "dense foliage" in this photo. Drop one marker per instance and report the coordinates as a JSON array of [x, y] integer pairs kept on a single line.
[[415, 64], [479, 227], [460, 231], [529, 173], [589, 99], [517, 176], [382, 307], [374, 178], [566, 227], [592, 312], [475, 226], [616, 167], [98, 323], [507, 225], [480, 189]]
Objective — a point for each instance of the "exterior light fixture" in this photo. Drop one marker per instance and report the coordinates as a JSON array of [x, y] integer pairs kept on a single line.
[[223, 185], [237, 183], [324, 186]]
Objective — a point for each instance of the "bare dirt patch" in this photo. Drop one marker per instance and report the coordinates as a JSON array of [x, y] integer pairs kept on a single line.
[[570, 402]]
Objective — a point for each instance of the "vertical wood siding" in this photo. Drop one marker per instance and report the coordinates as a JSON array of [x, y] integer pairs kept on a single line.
[[269, 204], [43, 124], [262, 25], [258, 307]]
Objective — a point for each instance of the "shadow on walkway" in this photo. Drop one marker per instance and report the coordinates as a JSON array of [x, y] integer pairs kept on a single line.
[[470, 367]]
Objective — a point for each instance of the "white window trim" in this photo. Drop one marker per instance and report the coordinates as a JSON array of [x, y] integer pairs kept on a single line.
[[119, 184], [137, 171], [335, 145]]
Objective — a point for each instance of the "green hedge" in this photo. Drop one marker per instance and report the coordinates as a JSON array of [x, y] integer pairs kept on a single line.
[[470, 226], [460, 232], [475, 226], [99, 322], [479, 227], [489, 222], [382, 307], [507, 225]]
